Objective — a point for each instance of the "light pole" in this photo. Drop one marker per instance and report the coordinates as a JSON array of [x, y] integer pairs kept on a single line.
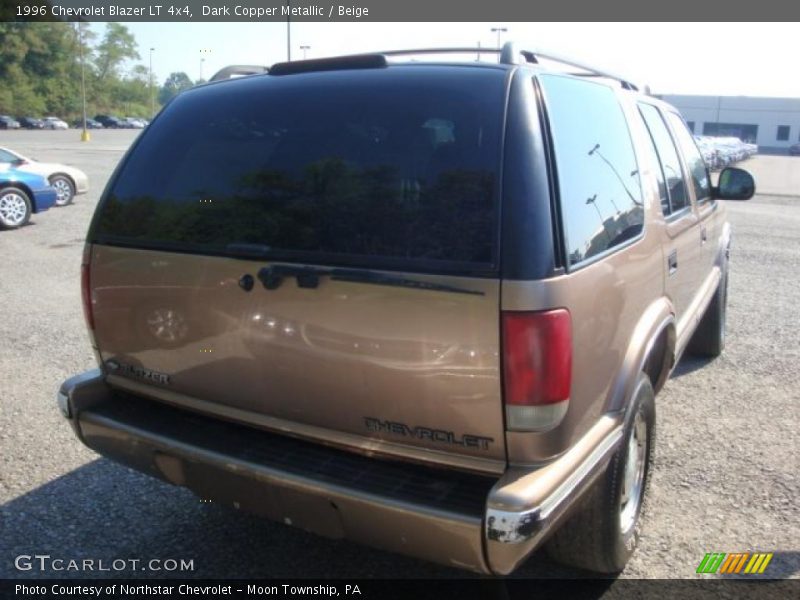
[[203, 53], [84, 133], [304, 48], [498, 31], [288, 31], [152, 94]]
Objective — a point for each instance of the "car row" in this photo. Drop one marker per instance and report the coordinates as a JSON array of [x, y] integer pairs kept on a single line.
[[68, 181], [7, 122], [112, 122], [720, 152], [99, 122]]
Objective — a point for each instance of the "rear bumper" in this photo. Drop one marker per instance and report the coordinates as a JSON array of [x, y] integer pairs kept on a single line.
[[459, 519]]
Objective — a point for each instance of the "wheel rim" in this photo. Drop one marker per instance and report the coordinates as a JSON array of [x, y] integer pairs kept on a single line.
[[63, 191], [632, 485], [13, 209]]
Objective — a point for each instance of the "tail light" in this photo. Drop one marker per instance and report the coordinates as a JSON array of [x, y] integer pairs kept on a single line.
[[537, 368], [86, 291]]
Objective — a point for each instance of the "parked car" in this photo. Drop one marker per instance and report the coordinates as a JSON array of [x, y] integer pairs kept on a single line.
[[109, 121], [66, 180], [22, 194], [435, 309], [7, 122], [31, 123], [133, 123], [54, 123], [90, 124], [794, 150]]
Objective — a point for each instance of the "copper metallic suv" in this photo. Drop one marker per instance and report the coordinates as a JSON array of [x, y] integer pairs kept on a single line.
[[425, 306]]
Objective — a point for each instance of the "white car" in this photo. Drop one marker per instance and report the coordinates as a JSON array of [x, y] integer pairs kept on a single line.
[[67, 181], [54, 123], [134, 123]]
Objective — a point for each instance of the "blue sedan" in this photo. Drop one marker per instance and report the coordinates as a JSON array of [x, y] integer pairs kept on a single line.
[[21, 195]]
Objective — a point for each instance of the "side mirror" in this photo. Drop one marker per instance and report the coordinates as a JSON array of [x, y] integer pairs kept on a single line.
[[735, 184]]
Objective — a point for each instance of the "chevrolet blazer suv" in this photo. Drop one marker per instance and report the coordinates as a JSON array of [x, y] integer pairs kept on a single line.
[[425, 306]]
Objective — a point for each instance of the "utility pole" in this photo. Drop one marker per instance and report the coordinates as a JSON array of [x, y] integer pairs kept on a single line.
[[203, 53], [288, 31], [152, 91], [84, 134], [498, 31]]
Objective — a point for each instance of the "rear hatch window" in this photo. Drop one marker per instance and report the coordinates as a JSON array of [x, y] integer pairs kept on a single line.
[[385, 168]]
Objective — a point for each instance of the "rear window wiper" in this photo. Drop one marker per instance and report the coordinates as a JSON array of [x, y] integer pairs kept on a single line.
[[308, 277]]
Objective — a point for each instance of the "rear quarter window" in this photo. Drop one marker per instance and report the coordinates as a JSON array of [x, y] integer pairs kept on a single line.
[[391, 167], [598, 177]]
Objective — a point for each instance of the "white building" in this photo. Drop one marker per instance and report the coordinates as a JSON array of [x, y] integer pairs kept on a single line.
[[773, 123]]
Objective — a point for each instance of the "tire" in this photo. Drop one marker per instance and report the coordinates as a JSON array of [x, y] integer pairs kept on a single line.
[[64, 188], [15, 208], [708, 339], [603, 535]]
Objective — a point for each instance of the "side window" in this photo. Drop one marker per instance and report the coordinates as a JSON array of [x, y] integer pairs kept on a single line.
[[676, 186], [658, 171], [6, 157], [598, 178], [694, 160]]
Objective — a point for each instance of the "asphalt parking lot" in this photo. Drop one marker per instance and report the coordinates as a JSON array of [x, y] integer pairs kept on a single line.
[[725, 477]]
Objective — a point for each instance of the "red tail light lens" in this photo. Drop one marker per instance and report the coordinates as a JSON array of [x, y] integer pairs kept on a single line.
[[86, 291], [537, 367]]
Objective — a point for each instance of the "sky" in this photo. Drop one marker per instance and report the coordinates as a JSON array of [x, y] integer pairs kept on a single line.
[[729, 59]]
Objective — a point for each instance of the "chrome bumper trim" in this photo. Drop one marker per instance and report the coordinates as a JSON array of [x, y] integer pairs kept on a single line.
[[515, 527]]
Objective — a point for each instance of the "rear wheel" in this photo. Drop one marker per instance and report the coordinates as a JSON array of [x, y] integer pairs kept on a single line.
[[15, 208], [603, 535], [709, 337], [65, 190]]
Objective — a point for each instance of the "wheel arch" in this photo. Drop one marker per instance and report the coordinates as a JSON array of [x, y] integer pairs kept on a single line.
[[64, 174], [651, 349], [21, 186]]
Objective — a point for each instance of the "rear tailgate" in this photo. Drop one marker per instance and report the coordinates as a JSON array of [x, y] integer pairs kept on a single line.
[[408, 366], [379, 180]]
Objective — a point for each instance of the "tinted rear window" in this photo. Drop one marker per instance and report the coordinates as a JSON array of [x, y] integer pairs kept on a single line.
[[393, 167]]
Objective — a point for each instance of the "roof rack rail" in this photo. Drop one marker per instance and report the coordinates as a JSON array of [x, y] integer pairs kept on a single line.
[[456, 50], [510, 54], [238, 71], [533, 56]]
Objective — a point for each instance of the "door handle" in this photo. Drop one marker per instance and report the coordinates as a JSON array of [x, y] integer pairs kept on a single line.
[[703, 235], [672, 262]]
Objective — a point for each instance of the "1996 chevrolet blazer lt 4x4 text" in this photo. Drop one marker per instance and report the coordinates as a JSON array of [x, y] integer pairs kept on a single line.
[[426, 306]]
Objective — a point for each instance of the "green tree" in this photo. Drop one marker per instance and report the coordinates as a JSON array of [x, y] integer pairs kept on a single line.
[[174, 85], [40, 70], [118, 47]]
